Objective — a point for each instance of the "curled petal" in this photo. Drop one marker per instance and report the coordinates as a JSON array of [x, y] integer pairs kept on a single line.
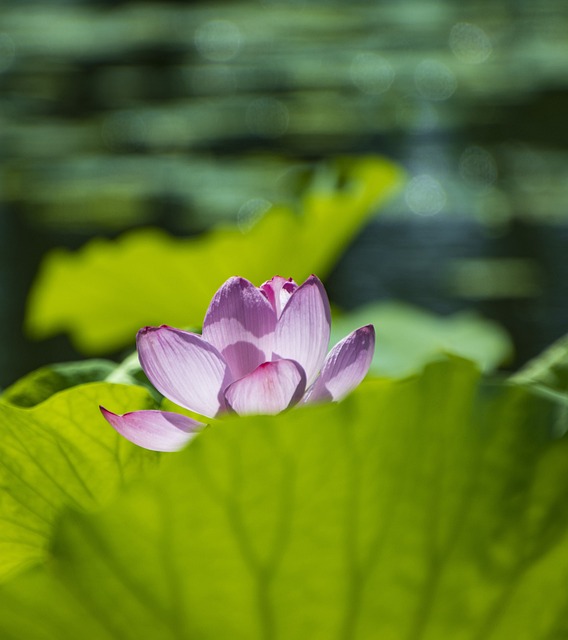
[[278, 291], [154, 430], [269, 389], [240, 323], [345, 366], [302, 332], [185, 368]]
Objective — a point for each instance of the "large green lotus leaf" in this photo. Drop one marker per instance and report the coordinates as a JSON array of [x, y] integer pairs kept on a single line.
[[60, 453], [105, 292], [409, 337], [420, 509]]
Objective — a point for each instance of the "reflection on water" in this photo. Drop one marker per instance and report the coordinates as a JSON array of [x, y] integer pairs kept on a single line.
[[91, 92]]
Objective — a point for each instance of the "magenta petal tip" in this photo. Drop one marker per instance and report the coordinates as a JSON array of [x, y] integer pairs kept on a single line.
[[345, 366], [154, 430]]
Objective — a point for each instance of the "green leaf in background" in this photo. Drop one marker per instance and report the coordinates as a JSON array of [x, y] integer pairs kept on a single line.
[[41, 384], [420, 509], [105, 292], [409, 337], [59, 453], [549, 369]]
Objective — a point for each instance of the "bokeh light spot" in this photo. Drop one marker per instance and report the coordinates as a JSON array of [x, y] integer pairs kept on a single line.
[[371, 73], [425, 196], [469, 43], [434, 80], [218, 40]]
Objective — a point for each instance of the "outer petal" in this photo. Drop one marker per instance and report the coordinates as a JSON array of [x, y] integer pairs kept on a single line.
[[278, 291], [269, 389], [154, 430], [185, 368], [240, 322], [302, 332], [345, 366]]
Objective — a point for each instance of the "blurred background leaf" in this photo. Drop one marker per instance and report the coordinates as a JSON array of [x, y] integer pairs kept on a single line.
[[408, 337], [429, 508], [549, 369], [41, 384], [149, 278]]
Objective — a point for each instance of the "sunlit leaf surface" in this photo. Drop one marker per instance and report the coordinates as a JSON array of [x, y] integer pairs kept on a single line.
[[57, 453], [420, 509], [105, 292]]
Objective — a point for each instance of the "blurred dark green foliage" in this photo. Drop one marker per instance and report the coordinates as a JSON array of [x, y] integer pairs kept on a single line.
[[182, 115]]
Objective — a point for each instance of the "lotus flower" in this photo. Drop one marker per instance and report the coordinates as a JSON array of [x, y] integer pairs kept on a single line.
[[262, 350]]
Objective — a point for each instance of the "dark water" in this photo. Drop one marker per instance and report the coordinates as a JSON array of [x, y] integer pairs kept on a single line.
[[21, 249], [521, 279]]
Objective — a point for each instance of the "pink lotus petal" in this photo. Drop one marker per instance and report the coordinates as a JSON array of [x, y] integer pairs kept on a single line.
[[154, 430], [302, 332], [185, 368], [278, 291], [345, 366], [240, 323], [269, 389]]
